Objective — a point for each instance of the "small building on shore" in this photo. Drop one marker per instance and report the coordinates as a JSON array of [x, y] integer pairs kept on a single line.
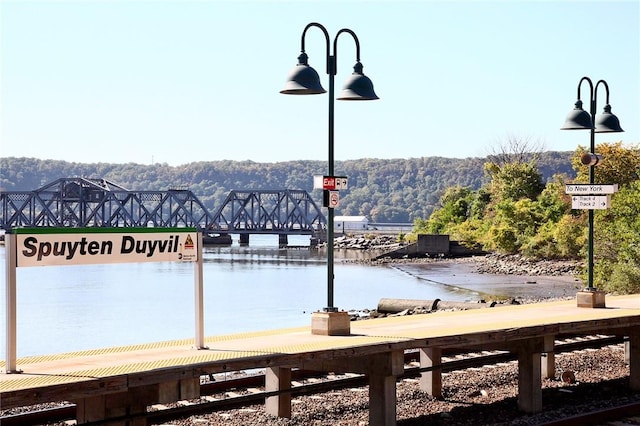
[[350, 223]]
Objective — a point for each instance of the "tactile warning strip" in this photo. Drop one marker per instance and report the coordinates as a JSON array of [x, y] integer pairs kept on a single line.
[[18, 381], [147, 346]]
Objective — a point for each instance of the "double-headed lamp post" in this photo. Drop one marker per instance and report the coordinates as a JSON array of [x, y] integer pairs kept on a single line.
[[304, 80], [579, 119]]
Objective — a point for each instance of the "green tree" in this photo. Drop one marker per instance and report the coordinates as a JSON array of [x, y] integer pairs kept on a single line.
[[617, 242], [619, 165], [455, 208], [514, 181]]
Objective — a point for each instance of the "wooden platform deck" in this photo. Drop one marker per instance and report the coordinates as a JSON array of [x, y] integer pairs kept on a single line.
[[109, 383]]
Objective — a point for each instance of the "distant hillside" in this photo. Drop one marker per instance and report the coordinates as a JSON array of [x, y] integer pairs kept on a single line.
[[397, 190]]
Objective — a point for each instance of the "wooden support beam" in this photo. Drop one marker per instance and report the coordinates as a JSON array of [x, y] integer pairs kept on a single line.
[[90, 409], [117, 405], [278, 379], [633, 354], [382, 400], [549, 357], [383, 372], [168, 392], [103, 408], [627, 352], [529, 376], [382, 369], [190, 388], [380, 363], [431, 381]]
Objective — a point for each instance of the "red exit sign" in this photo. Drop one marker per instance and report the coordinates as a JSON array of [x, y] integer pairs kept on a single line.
[[330, 183]]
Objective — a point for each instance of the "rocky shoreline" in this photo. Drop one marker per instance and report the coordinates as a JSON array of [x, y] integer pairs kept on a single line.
[[521, 265], [498, 264], [367, 243], [492, 263]]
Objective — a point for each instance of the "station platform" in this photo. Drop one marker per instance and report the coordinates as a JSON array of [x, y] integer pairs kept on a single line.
[[114, 382]]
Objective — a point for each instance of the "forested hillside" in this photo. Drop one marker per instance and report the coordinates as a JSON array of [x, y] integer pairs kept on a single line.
[[396, 190]]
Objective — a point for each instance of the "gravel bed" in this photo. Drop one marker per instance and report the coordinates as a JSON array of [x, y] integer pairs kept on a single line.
[[484, 396], [476, 396]]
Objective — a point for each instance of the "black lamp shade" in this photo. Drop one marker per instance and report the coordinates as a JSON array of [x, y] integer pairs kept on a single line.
[[358, 87], [303, 79], [578, 119], [607, 122]]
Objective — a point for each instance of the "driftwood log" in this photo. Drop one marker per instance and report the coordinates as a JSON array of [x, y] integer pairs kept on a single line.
[[392, 306]]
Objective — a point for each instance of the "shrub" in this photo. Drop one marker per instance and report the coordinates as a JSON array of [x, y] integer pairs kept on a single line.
[[625, 279]]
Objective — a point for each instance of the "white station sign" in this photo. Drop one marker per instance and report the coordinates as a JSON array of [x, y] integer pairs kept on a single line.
[[591, 202], [94, 245]]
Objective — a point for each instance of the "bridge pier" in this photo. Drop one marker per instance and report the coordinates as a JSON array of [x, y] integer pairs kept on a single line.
[[283, 240], [244, 239]]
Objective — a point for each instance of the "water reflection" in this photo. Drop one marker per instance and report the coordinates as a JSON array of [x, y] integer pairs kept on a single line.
[[68, 308]]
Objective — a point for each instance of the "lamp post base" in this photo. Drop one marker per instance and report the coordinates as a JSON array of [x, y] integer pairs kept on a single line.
[[331, 323], [590, 298]]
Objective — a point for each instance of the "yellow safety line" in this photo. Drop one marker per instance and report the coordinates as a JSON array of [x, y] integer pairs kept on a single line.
[[154, 345]]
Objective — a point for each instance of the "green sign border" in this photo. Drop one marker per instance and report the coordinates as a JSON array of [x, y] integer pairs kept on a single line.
[[123, 230]]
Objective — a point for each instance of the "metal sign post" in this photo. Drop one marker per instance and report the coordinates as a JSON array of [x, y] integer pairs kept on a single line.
[[199, 296], [11, 306]]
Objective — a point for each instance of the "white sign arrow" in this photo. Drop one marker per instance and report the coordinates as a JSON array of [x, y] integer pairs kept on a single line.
[[591, 202]]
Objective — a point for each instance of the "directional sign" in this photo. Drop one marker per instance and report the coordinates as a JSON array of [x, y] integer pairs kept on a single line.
[[590, 189], [591, 202], [341, 182], [330, 183]]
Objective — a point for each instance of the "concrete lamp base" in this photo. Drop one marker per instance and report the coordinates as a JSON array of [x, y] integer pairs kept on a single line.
[[331, 323], [590, 298]]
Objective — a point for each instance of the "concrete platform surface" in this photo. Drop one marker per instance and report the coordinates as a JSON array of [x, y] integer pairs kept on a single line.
[[296, 345]]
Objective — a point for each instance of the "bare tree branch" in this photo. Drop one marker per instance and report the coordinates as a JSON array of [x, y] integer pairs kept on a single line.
[[515, 149]]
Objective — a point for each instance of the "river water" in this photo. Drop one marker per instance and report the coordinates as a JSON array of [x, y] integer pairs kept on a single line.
[[246, 288]]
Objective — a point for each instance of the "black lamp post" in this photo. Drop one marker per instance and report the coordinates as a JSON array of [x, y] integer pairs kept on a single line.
[[304, 80], [579, 119]]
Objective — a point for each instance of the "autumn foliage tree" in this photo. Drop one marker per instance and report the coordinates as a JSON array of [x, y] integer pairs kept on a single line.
[[516, 212]]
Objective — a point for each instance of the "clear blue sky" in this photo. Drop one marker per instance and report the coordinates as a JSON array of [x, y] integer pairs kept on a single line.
[[182, 81]]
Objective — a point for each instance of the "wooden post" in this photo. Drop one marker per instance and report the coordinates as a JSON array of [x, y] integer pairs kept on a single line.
[[382, 400], [549, 358], [529, 378], [278, 379], [634, 359], [383, 371], [431, 381], [90, 409]]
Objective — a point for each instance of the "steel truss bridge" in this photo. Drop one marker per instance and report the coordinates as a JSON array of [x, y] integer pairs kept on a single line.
[[85, 202]]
